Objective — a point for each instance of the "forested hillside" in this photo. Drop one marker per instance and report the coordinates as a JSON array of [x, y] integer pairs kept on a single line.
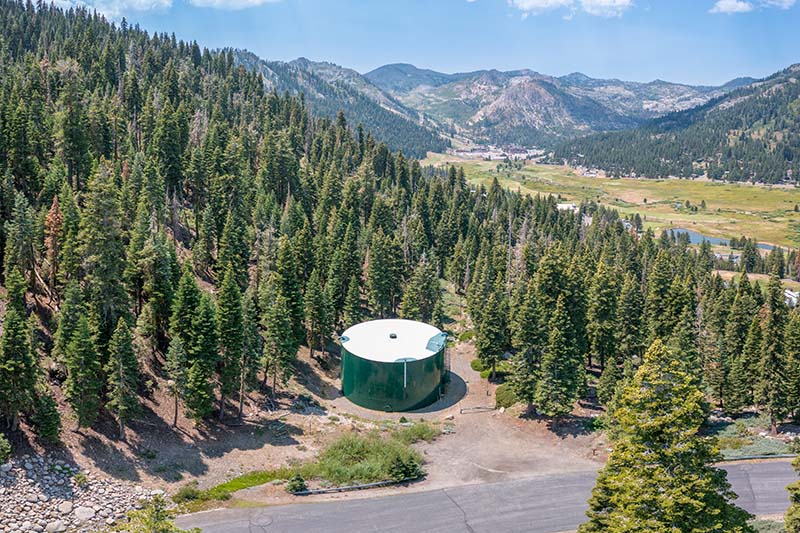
[[170, 223], [329, 90], [751, 134]]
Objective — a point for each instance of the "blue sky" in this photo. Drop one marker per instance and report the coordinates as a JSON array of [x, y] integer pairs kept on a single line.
[[691, 41]]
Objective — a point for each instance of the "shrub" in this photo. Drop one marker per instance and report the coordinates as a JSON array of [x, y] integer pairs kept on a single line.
[[504, 397], [354, 459], [466, 336], [45, 419], [420, 431], [296, 484], [80, 479], [155, 517], [477, 365], [188, 493], [402, 468], [5, 449]]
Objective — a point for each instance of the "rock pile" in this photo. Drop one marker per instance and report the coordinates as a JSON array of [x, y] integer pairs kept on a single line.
[[39, 493]]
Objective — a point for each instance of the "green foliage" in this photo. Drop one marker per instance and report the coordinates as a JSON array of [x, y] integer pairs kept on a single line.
[[154, 518], [562, 368], [17, 367], [504, 396], [83, 384], [657, 454], [477, 365], [45, 418], [792, 518], [296, 483], [122, 370], [5, 449], [353, 459], [417, 432]]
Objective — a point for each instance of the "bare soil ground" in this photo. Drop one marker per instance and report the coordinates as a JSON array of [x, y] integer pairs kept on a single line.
[[479, 444]]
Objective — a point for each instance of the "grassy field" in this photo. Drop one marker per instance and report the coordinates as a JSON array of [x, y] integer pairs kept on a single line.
[[732, 210]]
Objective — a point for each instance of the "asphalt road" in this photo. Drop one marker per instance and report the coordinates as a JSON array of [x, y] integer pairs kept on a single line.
[[545, 504]]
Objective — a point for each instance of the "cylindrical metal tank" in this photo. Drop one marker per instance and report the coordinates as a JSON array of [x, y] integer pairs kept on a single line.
[[393, 365]]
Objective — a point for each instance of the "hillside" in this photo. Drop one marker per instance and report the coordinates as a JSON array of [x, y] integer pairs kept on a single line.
[[329, 89], [527, 107], [751, 133]]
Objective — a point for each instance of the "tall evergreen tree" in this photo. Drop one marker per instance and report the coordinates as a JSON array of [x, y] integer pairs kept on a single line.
[[771, 391], [122, 370], [230, 335], [491, 332], [562, 368], [601, 313], [660, 475], [83, 384], [203, 358], [17, 368]]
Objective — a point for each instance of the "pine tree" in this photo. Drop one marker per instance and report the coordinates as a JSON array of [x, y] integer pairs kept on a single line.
[[17, 368], [178, 372], [660, 475], [771, 393], [45, 418], [317, 313], [384, 273], [744, 368], [122, 370], [352, 303], [83, 384], [793, 363], [280, 349], [252, 348], [203, 357], [792, 519], [608, 382], [422, 293], [491, 332], [184, 307], [562, 368], [657, 303], [71, 309], [230, 335], [103, 254], [53, 228], [16, 288], [601, 313], [290, 286]]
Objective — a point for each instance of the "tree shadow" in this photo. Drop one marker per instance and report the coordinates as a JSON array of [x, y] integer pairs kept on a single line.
[[309, 377], [570, 426], [454, 391]]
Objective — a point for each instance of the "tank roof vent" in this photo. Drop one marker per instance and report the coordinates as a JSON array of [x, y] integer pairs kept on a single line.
[[392, 335]]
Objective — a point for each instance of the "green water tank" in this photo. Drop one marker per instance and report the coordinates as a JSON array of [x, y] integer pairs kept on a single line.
[[393, 365]]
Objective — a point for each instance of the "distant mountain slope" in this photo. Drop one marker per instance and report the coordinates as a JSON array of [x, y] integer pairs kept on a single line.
[[527, 107], [329, 89], [751, 133]]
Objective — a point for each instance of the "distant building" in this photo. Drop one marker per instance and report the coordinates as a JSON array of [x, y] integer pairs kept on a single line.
[[792, 297], [567, 207]]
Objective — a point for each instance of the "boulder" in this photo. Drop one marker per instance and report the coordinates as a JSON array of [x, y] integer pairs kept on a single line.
[[84, 513]]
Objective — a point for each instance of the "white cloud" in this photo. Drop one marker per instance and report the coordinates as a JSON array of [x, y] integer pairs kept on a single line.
[[534, 7], [231, 4], [745, 6], [116, 9], [731, 6], [599, 8], [782, 4]]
